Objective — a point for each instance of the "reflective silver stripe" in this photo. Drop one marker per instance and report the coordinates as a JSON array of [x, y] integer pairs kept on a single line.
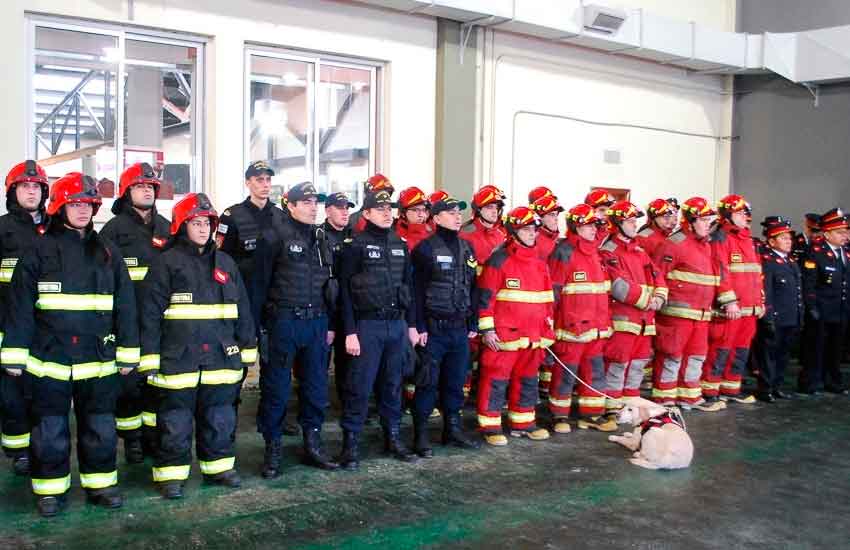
[[47, 487], [99, 481], [149, 362], [249, 355], [127, 355], [217, 466], [15, 441], [128, 424], [171, 473]]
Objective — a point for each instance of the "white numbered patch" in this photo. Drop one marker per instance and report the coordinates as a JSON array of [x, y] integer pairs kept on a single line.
[[232, 350], [444, 259], [131, 262], [49, 287], [398, 252], [181, 298], [295, 248]]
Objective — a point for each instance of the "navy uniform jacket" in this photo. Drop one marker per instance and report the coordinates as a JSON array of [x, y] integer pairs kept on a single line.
[[826, 282], [783, 295]]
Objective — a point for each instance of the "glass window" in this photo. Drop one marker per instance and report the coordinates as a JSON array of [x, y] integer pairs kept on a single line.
[[81, 106], [311, 119]]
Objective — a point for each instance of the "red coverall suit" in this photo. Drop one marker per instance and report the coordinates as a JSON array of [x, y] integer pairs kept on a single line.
[[516, 302], [635, 281], [582, 325], [739, 266], [682, 324], [546, 243], [650, 238]]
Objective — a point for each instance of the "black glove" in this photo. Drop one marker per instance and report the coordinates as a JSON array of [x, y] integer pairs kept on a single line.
[[424, 368]]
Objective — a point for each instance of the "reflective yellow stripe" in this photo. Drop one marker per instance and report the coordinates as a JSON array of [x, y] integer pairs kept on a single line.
[[213, 377], [669, 394], [525, 296], [1, 338], [127, 355], [649, 330], [137, 273], [710, 385], [202, 311], [621, 325], [487, 421], [589, 336], [41, 369], [99, 481], [542, 343], [6, 275], [695, 278], [745, 268], [171, 473], [149, 419], [85, 371], [726, 297], [486, 323], [15, 441], [515, 345], [587, 288], [48, 487], [14, 356], [752, 311], [662, 292], [545, 376], [521, 417], [692, 393], [249, 355], [564, 403], [149, 362], [645, 295], [174, 381], [129, 423], [591, 401], [217, 466], [686, 313], [726, 385], [74, 302]]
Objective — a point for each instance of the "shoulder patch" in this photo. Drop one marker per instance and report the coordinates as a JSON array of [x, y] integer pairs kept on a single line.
[[676, 237], [226, 212], [808, 264], [563, 252], [609, 246], [498, 257], [718, 236]]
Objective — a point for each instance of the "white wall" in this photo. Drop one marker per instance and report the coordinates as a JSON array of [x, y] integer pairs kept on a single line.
[[718, 14], [406, 43], [533, 88]]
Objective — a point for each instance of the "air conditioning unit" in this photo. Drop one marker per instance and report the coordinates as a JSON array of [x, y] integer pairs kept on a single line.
[[603, 19]]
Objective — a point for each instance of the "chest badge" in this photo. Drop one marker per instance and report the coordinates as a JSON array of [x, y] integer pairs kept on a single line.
[[512, 283], [737, 258], [296, 248], [375, 254], [472, 262], [579, 276], [221, 277], [159, 242]]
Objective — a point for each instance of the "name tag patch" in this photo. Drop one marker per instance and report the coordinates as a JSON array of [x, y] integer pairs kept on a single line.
[[444, 259], [737, 258], [222, 228], [512, 283], [45, 287], [131, 262], [398, 252], [181, 298], [579, 276], [9, 262]]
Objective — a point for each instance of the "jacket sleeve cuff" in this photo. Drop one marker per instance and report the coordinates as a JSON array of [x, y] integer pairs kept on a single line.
[[149, 362], [727, 297], [14, 358]]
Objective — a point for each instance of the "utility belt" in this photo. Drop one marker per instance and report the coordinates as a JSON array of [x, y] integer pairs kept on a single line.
[[301, 313], [435, 325], [380, 314]]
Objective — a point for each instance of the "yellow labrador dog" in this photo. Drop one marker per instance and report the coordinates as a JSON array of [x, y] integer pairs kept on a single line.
[[659, 441]]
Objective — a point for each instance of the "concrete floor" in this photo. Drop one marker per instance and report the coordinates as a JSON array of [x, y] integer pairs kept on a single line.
[[772, 476]]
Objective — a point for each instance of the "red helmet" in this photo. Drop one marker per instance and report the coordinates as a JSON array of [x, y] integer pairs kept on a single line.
[[26, 171], [582, 214], [538, 193], [520, 217], [379, 182], [696, 207], [437, 196], [545, 205], [599, 197], [624, 210], [489, 194], [73, 187], [733, 203], [410, 197], [661, 207], [141, 172], [193, 205]]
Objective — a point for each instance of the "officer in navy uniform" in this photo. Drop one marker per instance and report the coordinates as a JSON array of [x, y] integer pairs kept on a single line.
[[783, 309], [826, 283], [337, 214], [378, 314], [811, 231], [246, 226], [298, 313], [446, 312]]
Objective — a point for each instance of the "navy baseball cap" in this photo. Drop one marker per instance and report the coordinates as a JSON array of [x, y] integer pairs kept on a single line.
[[374, 200], [447, 203], [258, 167], [303, 191], [339, 200]]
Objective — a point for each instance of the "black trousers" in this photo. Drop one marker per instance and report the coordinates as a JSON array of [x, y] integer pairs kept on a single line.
[[206, 409], [50, 443], [770, 355], [823, 346], [15, 423]]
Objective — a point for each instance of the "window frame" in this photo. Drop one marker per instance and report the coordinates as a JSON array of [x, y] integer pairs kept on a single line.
[[124, 32], [318, 60]]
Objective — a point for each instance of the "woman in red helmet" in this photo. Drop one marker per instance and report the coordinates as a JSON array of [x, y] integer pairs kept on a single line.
[[413, 213], [197, 337], [72, 328], [26, 195]]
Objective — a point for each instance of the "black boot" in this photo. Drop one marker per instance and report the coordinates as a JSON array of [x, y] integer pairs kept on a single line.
[[349, 459], [453, 433], [50, 506], [421, 442], [271, 459], [21, 465], [107, 498], [133, 451], [394, 446], [171, 490], [229, 478], [313, 454]]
